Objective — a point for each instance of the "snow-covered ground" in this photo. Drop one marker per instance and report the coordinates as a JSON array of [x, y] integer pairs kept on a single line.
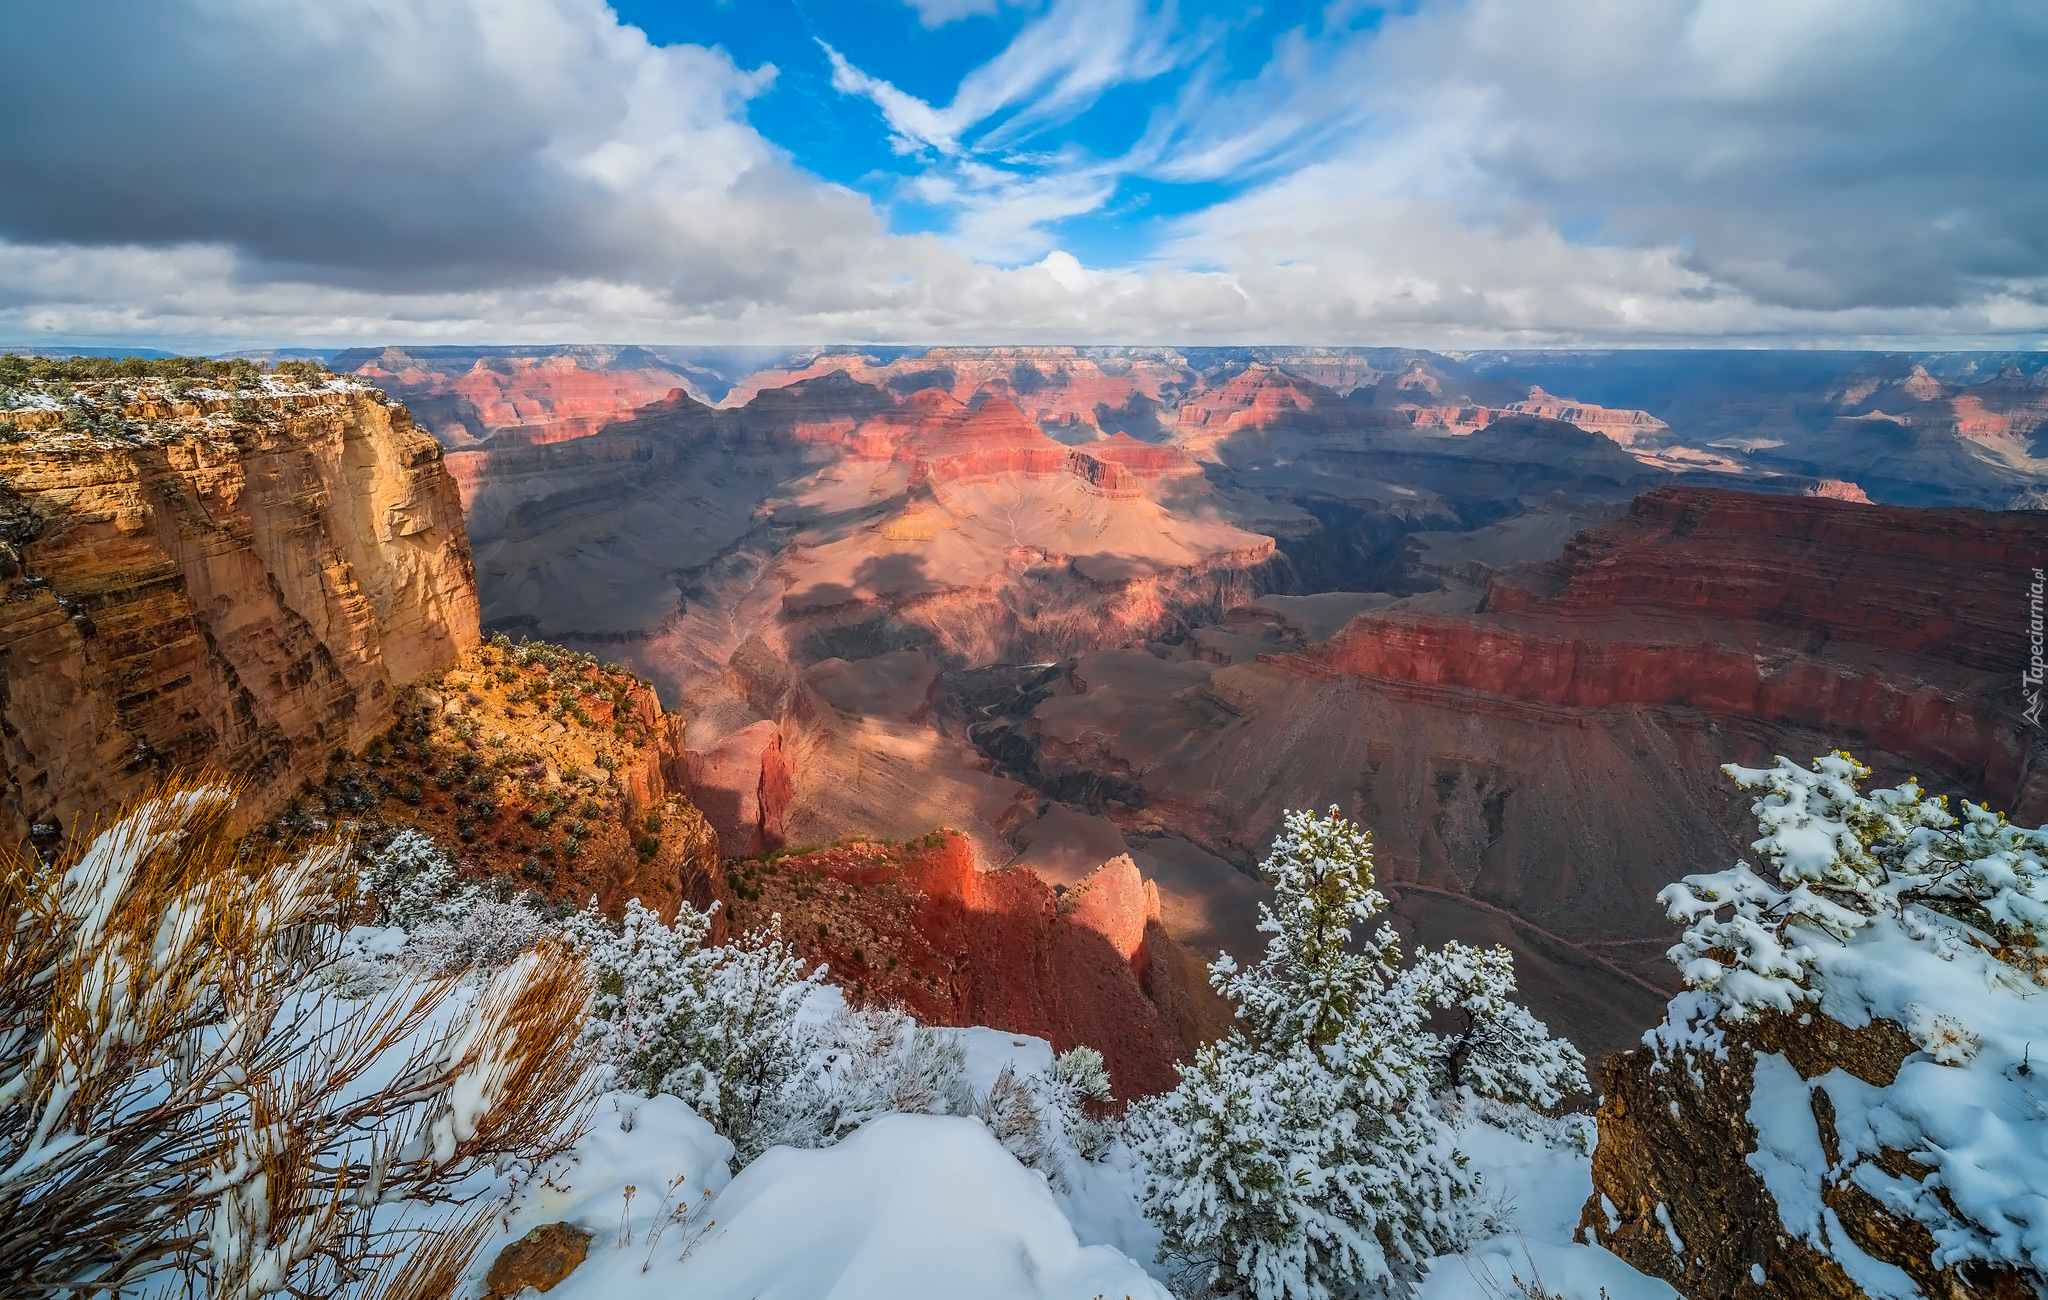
[[931, 1205]]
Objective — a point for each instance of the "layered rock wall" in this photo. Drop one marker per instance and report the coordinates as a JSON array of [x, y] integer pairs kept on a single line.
[[1894, 629], [244, 595]]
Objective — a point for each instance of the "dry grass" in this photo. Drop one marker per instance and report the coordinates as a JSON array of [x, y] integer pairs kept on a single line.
[[175, 1103]]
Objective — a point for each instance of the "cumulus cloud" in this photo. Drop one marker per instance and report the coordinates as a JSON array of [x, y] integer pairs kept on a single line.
[[1464, 171]]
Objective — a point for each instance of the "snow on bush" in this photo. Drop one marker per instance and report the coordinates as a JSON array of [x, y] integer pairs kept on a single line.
[[719, 1027], [1885, 905], [488, 934], [414, 882], [1309, 1159], [182, 1109], [1040, 1118], [870, 1063]]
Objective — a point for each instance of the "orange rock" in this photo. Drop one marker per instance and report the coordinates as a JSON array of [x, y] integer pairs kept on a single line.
[[955, 945], [245, 601], [742, 784], [540, 1259]]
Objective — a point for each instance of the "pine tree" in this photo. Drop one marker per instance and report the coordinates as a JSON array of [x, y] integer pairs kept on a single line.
[[1306, 1160], [1495, 1049]]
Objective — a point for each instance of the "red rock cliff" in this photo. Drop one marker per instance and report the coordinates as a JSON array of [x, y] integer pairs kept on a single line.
[[923, 927], [1895, 628]]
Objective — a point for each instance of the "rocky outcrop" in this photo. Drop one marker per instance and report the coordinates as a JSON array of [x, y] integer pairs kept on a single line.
[[1677, 1186], [921, 926], [243, 584], [742, 784], [1621, 425], [548, 771]]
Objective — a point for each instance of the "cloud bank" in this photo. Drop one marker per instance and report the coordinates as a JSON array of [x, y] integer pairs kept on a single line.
[[224, 172]]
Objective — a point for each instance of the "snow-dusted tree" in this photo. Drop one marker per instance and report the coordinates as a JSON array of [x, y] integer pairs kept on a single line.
[[181, 1108], [1873, 907], [719, 1027], [1306, 1161], [1842, 860], [1495, 1048]]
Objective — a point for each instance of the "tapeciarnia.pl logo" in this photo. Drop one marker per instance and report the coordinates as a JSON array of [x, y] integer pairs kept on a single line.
[[2030, 680]]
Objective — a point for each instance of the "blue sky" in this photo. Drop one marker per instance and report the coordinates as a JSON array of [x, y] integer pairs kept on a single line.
[[1438, 173], [1106, 147]]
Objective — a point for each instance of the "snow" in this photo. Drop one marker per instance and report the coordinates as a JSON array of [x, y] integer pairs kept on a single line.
[[910, 1205], [1790, 1160], [1887, 907], [1543, 1187]]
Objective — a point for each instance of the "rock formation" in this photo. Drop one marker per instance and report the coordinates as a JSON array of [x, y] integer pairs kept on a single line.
[[1677, 1191], [464, 396], [246, 584], [546, 771], [923, 927], [742, 784]]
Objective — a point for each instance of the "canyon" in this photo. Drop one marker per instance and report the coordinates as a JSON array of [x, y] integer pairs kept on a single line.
[[272, 582], [1069, 606], [1081, 603]]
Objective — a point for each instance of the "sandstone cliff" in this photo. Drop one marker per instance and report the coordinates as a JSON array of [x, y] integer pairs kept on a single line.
[[243, 582]]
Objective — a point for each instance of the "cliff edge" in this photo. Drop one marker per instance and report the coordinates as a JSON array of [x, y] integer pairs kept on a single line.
[[241, 581]]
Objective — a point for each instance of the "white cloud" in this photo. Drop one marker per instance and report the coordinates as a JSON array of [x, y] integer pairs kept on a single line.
[[276, 171], [937, 13]]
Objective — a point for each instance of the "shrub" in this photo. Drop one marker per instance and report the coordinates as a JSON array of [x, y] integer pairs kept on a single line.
[[1040, 1118], [173, 1126], [718, 1027]]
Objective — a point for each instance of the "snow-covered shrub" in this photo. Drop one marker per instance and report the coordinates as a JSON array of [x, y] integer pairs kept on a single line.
[[1039, 1117], [871, 1063], [1842, 860], [415, 883], [1306, 1160], [719, 1027], [1496, 1049], [182, 1110], [486, 934]]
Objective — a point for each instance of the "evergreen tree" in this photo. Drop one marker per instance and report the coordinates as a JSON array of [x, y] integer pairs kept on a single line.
[[1306, 1161]]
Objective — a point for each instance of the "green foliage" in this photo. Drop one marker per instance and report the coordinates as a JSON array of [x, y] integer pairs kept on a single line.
[[238, 371]]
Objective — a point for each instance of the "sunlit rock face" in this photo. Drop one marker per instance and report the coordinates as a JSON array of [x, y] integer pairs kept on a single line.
[[246, 593], [925, 925]]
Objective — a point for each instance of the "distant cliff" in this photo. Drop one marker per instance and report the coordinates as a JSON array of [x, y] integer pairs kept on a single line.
[[241, 581]]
